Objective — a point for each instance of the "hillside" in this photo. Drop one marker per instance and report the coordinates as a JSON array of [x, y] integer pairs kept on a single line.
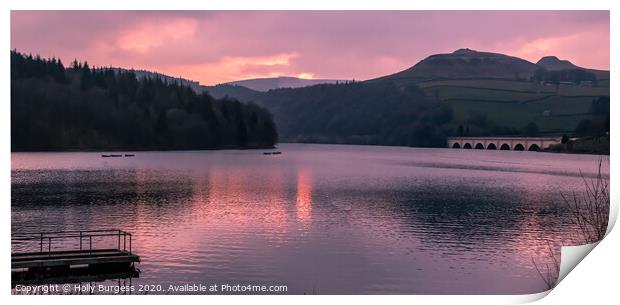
[[481, 96], [378, 113], [467, 64], [555, 109]]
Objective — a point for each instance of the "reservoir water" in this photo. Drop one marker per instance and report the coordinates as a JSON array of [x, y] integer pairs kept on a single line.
[[321, 219]]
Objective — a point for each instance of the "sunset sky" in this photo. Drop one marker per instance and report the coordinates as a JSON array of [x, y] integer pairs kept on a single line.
[[219, 46]]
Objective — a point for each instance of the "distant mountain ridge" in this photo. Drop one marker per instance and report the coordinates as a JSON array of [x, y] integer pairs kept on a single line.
[[269, 83]]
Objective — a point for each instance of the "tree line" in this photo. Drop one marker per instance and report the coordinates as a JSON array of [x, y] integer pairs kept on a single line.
[[575, 76], [54, 107]]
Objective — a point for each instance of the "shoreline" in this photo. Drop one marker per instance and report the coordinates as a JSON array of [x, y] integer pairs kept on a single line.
[[143, 149], [266, 147]]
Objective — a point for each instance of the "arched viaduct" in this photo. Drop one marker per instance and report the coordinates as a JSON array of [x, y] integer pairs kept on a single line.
[[503, 143]]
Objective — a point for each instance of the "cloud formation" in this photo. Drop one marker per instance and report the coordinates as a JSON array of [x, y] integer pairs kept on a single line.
[[219, 46]]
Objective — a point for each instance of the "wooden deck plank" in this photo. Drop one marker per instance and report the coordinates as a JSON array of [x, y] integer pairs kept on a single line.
[[75, 261], [59, 252], [75, 258], [53, 255]]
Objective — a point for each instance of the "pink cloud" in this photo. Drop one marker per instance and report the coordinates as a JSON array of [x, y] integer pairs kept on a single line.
[[150, 35], [235, 68], [214, 47]]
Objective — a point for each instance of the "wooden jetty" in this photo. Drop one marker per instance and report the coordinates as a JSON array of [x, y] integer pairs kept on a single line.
[[57, 254]]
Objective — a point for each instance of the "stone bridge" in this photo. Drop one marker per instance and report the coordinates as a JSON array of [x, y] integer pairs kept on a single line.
[[503, 143]]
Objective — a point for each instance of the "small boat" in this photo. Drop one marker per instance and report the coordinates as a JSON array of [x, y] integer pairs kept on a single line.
[[130, 155], [276, 153], [267, 153], [111, 156]]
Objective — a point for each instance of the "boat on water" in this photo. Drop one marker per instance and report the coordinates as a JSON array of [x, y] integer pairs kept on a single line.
[[130, 155], [111, 156], [272, 153]]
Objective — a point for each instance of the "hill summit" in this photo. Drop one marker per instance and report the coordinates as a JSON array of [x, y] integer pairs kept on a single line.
[[553, 63], [467, 63]]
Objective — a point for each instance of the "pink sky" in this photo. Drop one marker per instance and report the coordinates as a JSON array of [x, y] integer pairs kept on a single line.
[[219, 46]]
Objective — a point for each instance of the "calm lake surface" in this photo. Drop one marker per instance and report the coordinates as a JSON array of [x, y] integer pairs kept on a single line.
[[326, 219]]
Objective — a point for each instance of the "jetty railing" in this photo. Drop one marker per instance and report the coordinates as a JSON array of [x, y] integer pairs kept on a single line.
[[45, 240]]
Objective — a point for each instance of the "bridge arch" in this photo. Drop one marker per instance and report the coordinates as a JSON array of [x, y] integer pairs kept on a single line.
[[503, 143]]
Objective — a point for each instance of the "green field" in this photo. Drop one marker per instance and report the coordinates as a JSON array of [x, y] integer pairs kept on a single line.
[[554, 108], [491, 84], [448, 93]]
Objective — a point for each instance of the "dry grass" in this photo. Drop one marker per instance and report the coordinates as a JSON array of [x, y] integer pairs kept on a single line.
[[589, 212], [550, 274]]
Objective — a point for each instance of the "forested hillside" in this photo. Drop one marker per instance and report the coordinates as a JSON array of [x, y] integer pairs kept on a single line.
[[359, 113], [83, 108]]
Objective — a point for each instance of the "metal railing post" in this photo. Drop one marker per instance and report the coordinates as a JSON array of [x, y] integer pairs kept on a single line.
[[50, 236]]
